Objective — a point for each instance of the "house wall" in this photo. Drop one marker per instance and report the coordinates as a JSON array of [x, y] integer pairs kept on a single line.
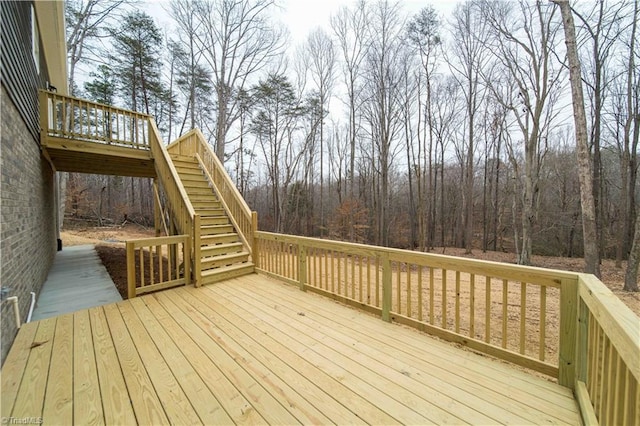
[[28, 231], [27, 220]]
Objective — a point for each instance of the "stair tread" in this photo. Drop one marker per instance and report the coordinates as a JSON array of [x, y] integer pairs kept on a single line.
[[226, 256], [223, 245], [220, 236], [215, 271]]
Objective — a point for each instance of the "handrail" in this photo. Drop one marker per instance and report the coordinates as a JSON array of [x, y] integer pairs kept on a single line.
[[74, 118], [193, 143], [184, 214], [607, 372], [596, 350], [225, 206]]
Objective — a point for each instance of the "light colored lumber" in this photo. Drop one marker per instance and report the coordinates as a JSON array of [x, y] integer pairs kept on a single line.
[[282, 389], [15, 366], [442, 379], [181, 330], [465, 403], [584, 402], [409, 342], [87, 407], [30, 398], [113, 390], [388, 395], [619, 323], [176, 405], [262, 401], [288, 351], [202, 399], [58, 404], [145, 402]]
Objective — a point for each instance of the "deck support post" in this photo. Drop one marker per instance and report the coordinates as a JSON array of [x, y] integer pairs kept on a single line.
[[568, 332], [386, 288], [302, 267]]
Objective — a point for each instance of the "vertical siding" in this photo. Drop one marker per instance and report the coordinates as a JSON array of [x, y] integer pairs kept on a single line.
[[19, 75]]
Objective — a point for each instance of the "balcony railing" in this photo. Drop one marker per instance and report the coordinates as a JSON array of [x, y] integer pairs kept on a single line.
[[73, 118], [502, 310]]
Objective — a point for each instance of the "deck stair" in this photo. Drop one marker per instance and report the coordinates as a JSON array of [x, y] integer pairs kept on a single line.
[[223, 254]]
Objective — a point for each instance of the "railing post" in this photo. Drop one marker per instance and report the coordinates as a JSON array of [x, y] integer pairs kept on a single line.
[[186, 252], [131, 270], [386, 288], [568, 332], [582, 340], [254, 231], [43, 107], [302, 267], [197, 273]]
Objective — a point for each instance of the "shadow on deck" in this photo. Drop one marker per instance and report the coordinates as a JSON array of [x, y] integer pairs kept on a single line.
[[254, 350]]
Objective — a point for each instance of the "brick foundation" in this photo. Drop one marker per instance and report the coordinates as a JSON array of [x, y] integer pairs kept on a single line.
[[27, 217]]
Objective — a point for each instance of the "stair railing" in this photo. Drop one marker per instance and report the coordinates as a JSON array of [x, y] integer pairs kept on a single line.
[[243, 219], [185, 218]]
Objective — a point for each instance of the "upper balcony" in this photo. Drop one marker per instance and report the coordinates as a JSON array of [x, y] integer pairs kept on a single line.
[[88, 137]]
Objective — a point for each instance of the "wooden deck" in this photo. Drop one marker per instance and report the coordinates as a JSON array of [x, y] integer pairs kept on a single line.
[[253, 350]]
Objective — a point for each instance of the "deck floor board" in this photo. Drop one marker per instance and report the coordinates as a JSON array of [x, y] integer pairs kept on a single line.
[[516, 395], [252, 350]]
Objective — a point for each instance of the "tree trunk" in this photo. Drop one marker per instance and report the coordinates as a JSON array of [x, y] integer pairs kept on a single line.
[[589, 226], [631, 277]]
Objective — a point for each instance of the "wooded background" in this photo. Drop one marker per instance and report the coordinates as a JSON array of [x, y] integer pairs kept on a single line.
[[411, 130]]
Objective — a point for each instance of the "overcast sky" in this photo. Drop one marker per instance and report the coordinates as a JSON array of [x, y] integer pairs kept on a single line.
[[302, 16]]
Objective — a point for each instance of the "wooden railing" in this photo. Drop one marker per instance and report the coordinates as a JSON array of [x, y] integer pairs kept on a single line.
[[157, 263], [524, 315], [607, 357], [73, 118], [184, 216], [243, 219]]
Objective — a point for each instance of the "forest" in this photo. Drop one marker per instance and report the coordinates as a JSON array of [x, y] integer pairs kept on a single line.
[[388, 126]]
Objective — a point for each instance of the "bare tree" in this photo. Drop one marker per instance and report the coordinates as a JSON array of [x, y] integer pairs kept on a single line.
[[603, 25], [320, 59], [468, 60], [383, 110], [589, 225], [86, 20], [423, 32], [631, 152], [350, 28], [524, 36], [237, 41]]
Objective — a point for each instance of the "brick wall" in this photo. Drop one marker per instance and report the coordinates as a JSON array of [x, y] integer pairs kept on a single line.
[[27, 219]]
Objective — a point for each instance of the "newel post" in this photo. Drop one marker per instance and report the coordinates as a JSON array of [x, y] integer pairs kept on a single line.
[[568, 332], [255, 255], [386, 287], [131, 270], [43, 107]]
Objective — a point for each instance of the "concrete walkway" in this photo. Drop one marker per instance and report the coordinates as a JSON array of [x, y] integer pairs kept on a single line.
[[77, 280]]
